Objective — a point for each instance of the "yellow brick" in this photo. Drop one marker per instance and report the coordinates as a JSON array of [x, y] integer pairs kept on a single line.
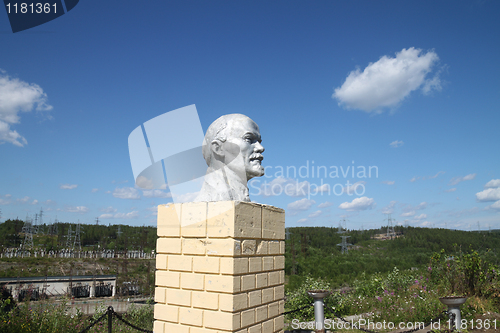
[[254, 264], [192, 281], [206, 265], [179, 297], [203, 330], [274, 278], [261, 313], [247, 317], [262, 247], [273, 223], [279, 262], [281, 307], [194, 219], [279, 293], [221, 320], [177, 328], [166, 313], [248, 220], [193, 246], [248, 247], [223, 247], [282, 247], [191, 316], [169, 220], [268, 326], [205, 300], [168, 279], [233, 302], [267, 295], [273, 310], [168, 245], [279, 323], [282, 277], [233, 265], [247, 282], [161, 261], [255, 329], [220, 219], [158, 327], [254, 298], [180, 263], [261, 280], [267, 263], [222, 283], [274, 247], [160, 295]]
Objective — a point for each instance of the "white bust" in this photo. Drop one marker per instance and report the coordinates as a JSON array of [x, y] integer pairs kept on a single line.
[[233, 152]]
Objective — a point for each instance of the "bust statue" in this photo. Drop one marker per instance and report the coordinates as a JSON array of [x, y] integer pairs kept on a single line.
[[233, 151]]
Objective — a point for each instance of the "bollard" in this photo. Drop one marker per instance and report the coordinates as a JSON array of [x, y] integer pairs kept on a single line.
[[319, 314], [453, 304]]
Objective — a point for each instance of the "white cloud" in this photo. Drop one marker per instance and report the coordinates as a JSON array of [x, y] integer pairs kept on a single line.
[[95, 190], [451, 190], [389, 209], [490, 194], [420, 217], [409, 213], [358, 204], [492, 183], [427, 177], [108, 210], [388, 182], [495, 206], [17, 96], [156, 194], [323, 188], [24, 200], [302, 221], [315, 214], [456, 180], [68, 186], [131, 215], [351, 189], [144, 183], [35, 202], [325, 204], [396, 144], [75, 209], [302, 204], [388, 81], [126, 193]]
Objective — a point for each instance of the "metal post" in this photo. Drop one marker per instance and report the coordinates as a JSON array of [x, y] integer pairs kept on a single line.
[[319, 314], [110, 319]]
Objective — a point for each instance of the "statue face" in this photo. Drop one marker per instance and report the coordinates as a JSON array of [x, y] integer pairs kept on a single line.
[[244, 150]]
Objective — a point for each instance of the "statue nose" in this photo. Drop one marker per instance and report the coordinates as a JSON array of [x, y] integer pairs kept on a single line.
[[259, 148]]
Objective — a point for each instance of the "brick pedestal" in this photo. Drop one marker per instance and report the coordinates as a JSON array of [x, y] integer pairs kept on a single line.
[[220, 268]]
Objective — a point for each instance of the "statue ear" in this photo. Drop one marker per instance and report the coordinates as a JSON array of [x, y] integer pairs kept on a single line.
[[216, 147]]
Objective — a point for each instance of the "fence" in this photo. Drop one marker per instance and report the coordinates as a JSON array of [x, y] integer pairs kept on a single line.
[[110, 312]]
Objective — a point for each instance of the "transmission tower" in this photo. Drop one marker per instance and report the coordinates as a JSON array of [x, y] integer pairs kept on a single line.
[[96, 221], [390, 226], [28, 233], [77, 244], [69, 244], [343, 228], [344, 244]]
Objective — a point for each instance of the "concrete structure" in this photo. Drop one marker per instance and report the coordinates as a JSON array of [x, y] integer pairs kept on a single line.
[[220, 268], [57, 285]]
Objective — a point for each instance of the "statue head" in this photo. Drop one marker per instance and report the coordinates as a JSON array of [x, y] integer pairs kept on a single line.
[[234, 141], [233, 152]]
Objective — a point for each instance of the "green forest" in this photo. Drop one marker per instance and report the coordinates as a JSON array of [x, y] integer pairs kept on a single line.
[[54, 237]]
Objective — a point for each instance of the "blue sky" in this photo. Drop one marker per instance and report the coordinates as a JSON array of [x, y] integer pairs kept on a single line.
[[409, 88]]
